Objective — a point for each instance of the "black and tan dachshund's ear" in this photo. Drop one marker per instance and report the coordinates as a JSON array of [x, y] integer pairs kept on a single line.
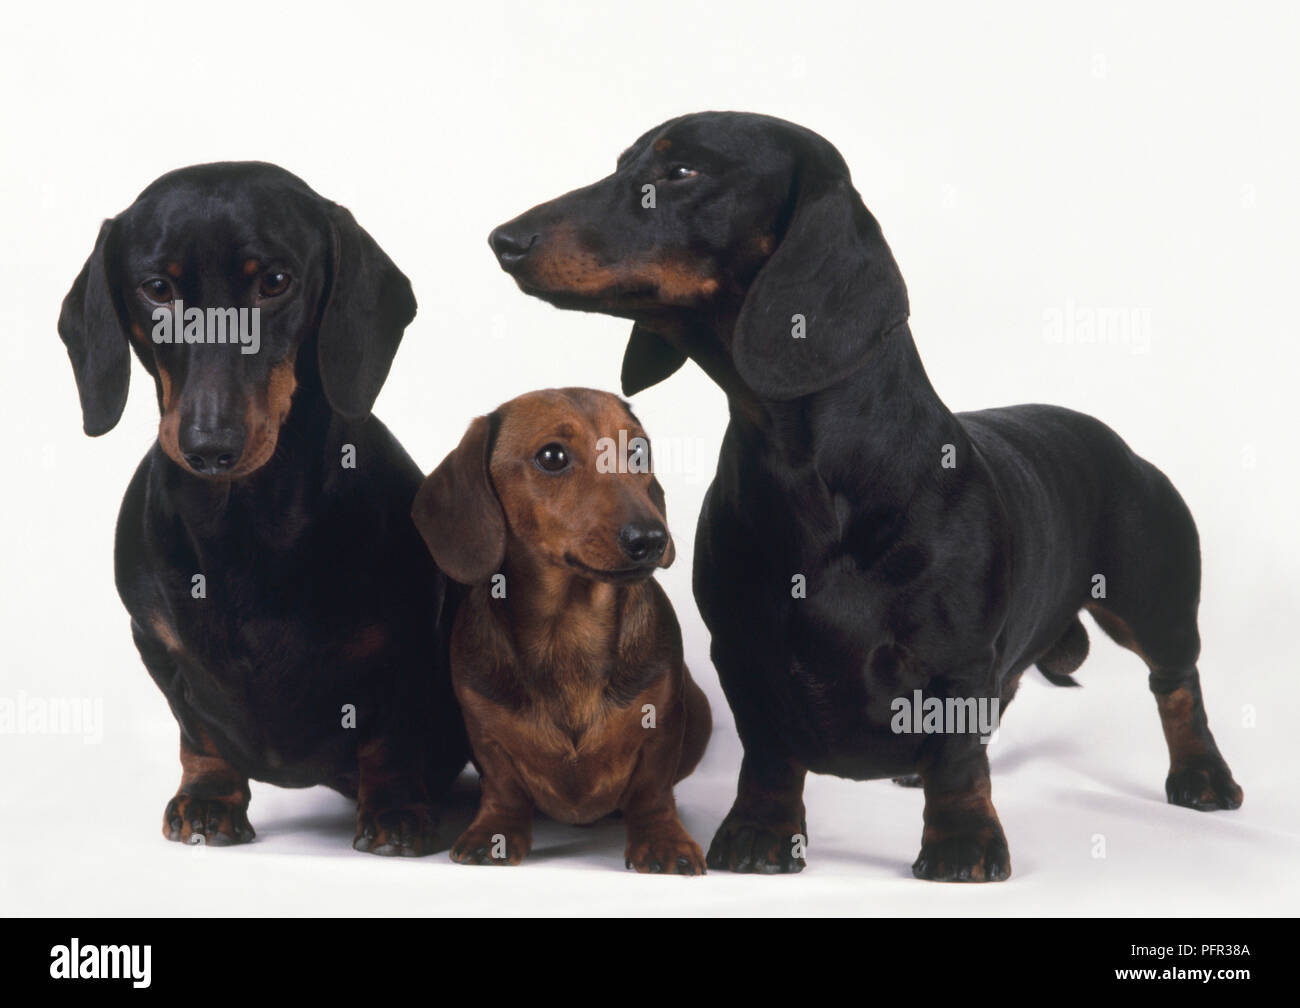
[[457, 510], [92, 330], [648, 360], [822, 299], [369, 305]]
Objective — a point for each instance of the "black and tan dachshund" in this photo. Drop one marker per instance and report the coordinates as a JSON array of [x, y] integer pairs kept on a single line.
[[860, 542], [279, 595]]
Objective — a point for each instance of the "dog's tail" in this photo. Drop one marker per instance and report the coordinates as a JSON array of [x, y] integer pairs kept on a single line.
[[1065, 656]]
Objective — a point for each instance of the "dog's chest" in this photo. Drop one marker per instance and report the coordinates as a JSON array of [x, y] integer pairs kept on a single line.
[[813, 608], [573, 751]]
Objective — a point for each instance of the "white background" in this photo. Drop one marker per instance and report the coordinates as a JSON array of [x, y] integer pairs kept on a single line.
[[1036, 173]]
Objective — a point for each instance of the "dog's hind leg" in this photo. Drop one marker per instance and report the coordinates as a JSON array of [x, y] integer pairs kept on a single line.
[[1149, 605]]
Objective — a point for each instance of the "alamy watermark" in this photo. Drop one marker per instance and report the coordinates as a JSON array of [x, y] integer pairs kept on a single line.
[[177, 324], [33, 715], [75, 961], [1090, 325], [679, 456], [922, 715]]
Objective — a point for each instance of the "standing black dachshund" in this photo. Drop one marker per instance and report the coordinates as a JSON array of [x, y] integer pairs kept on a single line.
[[860, 542], [279, 594]]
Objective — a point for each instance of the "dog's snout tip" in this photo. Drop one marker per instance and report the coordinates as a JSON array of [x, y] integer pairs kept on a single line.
[[511, 245], [211, 453], [643, 542]]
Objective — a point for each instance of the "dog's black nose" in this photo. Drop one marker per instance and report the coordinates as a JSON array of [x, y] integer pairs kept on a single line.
[[511, 244], [211, 452], [643, 542]]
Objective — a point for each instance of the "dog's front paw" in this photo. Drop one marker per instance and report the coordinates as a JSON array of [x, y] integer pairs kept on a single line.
[[1205, 788], [748, 847], [976, 855], [397, 832], [667, 850], [492, 844], [212, 821]]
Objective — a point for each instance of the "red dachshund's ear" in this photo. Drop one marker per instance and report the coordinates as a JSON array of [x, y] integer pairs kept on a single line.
[[457, 510]]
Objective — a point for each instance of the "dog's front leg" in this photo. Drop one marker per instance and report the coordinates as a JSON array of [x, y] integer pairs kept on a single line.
[[962, 840], [394, 814], [502, 830], [765, 830], [657, 842], [211, 804]]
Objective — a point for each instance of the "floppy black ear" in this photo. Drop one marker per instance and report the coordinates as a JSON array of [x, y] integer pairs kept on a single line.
[[92, 330], [457, 511], [369, 305], [648, 360], [833, 269]]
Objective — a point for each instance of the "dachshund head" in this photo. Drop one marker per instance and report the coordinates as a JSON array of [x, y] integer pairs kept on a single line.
[[561, 478], [741, 226], [238, 288]]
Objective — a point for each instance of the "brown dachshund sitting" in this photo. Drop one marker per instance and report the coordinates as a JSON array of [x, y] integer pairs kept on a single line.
[[566, 655]]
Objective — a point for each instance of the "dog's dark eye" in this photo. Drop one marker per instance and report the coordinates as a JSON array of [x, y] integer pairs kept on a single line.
[[158, 290], [552, 458], [677, 172], [273, 284]]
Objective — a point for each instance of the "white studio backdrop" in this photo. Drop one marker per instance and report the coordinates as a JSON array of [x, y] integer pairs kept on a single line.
[[1096, 209]]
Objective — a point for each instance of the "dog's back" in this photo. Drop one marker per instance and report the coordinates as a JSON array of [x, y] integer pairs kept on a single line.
[[1087, 514]]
